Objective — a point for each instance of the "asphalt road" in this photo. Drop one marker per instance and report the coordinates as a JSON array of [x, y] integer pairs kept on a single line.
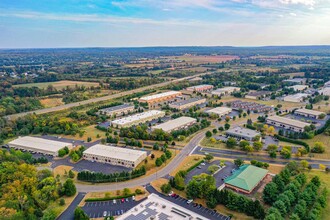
[[104, 98], [146, 179], [68, 213]]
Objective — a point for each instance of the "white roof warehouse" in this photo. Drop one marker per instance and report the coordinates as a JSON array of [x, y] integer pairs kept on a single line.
[[176, 124], [115, 155], [40, 145]]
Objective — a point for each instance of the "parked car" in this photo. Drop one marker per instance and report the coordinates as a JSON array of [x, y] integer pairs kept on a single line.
[[114, 201], [189, 201], [203, 164], [105, 213], [122, 200], [199, 167], [133, 198]]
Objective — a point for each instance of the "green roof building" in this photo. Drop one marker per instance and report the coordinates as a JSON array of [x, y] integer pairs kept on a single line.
[[246, 178]]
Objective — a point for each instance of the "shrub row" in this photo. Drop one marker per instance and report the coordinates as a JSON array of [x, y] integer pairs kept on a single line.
[[281, 138], [109, 198], [194, 166], [321, 130]]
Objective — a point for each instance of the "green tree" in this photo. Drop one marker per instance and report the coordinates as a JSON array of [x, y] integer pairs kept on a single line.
[[213, 168], [158, 162], [231, 143], [193, 189], [257, 145], [166, 188], [238, 162], [79, 214], [208, 157], [270, 193], [69, 187], [208, 134], [227, 126]]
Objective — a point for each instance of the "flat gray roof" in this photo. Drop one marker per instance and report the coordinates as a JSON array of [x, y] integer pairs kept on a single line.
[[309, 111], [240, 131], [288, 121], [175, 123], [187, 101], [117, 107]]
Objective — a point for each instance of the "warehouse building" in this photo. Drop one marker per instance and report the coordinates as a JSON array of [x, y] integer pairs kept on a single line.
[[200, 88], [299, 97], [295, 81], [137, 118], [185, 104], [298, 87], [114, 155], [225, 91], [159, 98], [220, 111], [242, 133], [117, 110], [286, 123], [257, 95], [39, 145], [308, 113], [325, 91], [176, 124], [246, 178]]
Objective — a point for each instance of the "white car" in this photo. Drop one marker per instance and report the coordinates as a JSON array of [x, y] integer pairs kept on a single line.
[[105, 214], [133, 198], [189, 201], [203, 164], [170, 194], [114, 201]]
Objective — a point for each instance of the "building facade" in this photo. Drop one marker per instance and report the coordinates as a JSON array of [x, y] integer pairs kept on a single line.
[[286, 123], [114, 155], [176, 124], [225, 91], [185, 104], [137, 118], [220, 111], [257, 95], [299, 97], [117, 110], [308, 113], [200, 88], [164, 97]]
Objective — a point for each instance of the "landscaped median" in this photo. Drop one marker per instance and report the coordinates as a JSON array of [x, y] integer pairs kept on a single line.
[[109, 198]]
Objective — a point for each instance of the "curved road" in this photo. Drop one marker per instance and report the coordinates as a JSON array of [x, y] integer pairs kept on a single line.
[[147, 179], [103, 98]]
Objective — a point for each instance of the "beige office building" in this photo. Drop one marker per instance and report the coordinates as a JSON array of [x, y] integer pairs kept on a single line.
[[185, 104], [176, 124], [308, 113], [225, 91], [114, 155], [221, 111], [286, 123], [137, 118], [117, 110], [164, 97]]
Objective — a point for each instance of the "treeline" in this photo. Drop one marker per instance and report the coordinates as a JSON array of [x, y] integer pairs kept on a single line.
[[10, 105], [88, 176], [17, 156]]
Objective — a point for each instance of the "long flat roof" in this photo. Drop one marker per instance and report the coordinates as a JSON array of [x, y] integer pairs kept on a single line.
[[187, 101], [309, 111], [246, 177], [117, 107], [219, 110], [288, 121], [175, 123], [199, 86], [115, 152], [225, 89], [39, 144], [137, 117], [243, 132], [158, 208], [160, 95], [297, 96]]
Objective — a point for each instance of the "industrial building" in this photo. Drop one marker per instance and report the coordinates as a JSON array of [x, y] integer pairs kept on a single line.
[[298, 87], [114, 155], [286, 123], [242, 133], [220, 111], [327, 84], [176, 124], [158, 208], [250, 106], [325, 91], [137, 118], [39, 145], [185, 104], [200, 88], [299, 97], [308, 113], [225, 91], [295, 81], [117, 110], [246, 178], [257, 95], [160, 98]]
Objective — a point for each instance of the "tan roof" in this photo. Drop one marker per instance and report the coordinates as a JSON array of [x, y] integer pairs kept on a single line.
[[220, 110], [175, 123], [288, 121], [160, 95], [309, 111]]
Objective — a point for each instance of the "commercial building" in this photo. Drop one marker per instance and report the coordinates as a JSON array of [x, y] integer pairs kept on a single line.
[[250, 106], [161, 97], [39, 145], [246, 178], [299, 97], [158, 208], [327, 84], [114, 155], [298, 87], [257, 94], [200, 88], [308, 113], [295, 81], [180, 105], [117, 110], [286, 123], [137, 118], [325, 91], [220, 111], [225, 91], [176, 124], [242, 133]]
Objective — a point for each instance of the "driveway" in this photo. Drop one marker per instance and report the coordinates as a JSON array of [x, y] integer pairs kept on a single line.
[[68, 214]]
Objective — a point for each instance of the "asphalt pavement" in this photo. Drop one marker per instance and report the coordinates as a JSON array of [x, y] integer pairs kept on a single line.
[[68, 213]]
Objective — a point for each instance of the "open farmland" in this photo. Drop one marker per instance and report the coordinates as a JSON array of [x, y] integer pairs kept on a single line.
[[59, 85], [206, 59]]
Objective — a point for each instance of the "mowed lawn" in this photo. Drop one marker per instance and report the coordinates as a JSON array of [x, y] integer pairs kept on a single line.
[[58, 85], [325, 139]]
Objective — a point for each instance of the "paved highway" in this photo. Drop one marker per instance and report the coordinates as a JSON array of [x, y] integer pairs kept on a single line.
[[146, 179], [104, 98]]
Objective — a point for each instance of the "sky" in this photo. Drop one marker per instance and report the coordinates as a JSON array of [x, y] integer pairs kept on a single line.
[[137, 23]]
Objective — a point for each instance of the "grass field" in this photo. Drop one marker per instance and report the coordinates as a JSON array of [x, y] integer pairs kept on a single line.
[[51, 102], [205, 59], [325, 140], [186, 163], [58, 85], [90, 131]]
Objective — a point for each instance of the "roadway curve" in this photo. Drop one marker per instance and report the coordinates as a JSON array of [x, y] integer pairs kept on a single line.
[[103, 98], [146, 179]]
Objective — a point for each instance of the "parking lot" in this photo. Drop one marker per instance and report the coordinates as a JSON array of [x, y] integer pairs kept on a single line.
[[119, 207], [195, 207], [317, 122]]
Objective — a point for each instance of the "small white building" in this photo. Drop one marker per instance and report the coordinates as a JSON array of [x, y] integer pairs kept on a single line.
[[176, 124], [225, 91], [286, 123], [114, 155], [308, 113], [220, 111], [299, 97], [137, 118], [298, 87], [39, 145]]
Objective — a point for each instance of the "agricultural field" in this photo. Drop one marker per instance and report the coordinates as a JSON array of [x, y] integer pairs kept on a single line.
[[51, 102], [205, 59], [59, 85]]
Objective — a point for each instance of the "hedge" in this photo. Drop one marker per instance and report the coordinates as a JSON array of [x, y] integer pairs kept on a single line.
[[109, 198], [321, 130], [251, 127], [194, 166], [281, 138]]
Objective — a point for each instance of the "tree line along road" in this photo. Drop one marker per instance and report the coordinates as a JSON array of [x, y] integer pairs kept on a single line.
[[100, 99]]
